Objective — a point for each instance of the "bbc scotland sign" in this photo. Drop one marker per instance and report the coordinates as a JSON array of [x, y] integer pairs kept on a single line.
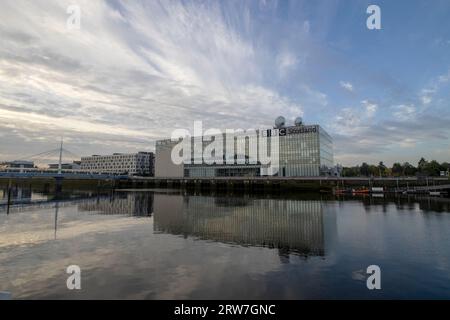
[[288, 131]]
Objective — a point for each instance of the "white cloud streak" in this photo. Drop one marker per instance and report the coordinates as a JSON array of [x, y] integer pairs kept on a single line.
[[134, 71]]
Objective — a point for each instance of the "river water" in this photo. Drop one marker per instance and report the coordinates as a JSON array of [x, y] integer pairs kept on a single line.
[[167, 244]]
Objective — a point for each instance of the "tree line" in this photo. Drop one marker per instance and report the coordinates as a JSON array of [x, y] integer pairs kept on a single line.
[[423, 168]]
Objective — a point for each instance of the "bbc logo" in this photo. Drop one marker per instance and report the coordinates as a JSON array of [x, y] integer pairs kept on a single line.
[[269, 132]]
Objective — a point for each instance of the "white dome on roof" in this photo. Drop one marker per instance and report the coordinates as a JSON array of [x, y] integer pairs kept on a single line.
[[280, 122], [298, 121]]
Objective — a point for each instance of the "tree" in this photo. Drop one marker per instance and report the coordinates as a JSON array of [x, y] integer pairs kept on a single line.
[[409, 169], [381, 168], [350, 171], [373, 170], [422, 164], [364, 169], [397, 169], [445, 166], [432, 168]]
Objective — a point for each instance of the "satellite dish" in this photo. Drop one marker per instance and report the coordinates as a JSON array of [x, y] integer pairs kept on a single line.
[[298, 121], [280, 122]]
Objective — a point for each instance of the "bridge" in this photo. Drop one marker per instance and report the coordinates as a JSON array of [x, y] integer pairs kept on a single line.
[[59, 173], [49, 174]]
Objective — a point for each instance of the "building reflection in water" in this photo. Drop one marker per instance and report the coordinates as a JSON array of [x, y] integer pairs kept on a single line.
[[139, 204], [16, 194], [291, 226], [418, 203]]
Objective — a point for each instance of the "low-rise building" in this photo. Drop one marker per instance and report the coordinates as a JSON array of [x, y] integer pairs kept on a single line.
[[20, 164], [76, 165], [140, 163], [17, 166]]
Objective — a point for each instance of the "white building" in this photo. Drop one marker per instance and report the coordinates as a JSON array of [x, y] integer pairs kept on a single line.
[[76, 165], [303, 150], [20, 164], [140, 163]]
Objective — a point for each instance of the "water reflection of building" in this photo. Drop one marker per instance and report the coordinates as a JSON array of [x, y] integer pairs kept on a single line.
[[16, 193], [292, 226], [135, 204], [409, 203]]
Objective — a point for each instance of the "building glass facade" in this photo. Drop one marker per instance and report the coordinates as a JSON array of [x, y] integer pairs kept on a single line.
[[305, 151], [302, 151]]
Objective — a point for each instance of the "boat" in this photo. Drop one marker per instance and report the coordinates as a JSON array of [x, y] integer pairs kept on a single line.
[[352, 191], [361, 191]]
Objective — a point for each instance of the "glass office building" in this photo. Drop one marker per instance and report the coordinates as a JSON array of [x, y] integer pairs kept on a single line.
[[303, 150]]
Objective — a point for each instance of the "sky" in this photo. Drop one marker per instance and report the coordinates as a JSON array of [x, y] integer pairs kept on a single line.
[[137, 70]]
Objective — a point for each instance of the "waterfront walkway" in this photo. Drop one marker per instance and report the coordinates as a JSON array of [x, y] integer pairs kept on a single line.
[[397, 184]]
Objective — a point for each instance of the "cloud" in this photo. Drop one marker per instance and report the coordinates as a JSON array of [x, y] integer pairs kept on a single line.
[[286, 61], [444, 78], [306, 26], [350, 121], [404, 112], [436, 84], [426, 99], [359, 134], [407, 143], [137, 70], [347, 120], [346, 85], [312, 97], [134, 71], [373, 142], [371, 108], [426, 96]]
